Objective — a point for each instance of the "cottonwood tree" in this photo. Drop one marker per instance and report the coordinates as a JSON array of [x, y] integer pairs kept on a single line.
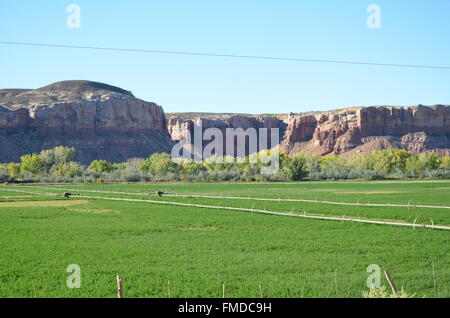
[[100, 166]]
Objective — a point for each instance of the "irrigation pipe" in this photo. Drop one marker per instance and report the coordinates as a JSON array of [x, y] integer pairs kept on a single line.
[[358, 204], [441, 227], [252, 210]]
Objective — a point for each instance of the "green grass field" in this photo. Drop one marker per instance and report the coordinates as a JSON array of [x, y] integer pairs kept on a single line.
[[198, 250]]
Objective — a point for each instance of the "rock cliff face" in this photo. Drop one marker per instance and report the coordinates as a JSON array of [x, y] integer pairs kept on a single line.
[[107, 122], [181, 125], [100, 121], [364, 129], [417, 129]]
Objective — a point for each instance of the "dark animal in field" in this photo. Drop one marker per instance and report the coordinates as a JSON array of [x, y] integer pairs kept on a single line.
[[67, 195], [159, 193]]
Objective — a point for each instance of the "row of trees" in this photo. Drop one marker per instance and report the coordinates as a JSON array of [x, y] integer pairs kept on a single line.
[[59, 165]]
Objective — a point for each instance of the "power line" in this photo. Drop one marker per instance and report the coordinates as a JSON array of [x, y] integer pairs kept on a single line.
[[254, 57]]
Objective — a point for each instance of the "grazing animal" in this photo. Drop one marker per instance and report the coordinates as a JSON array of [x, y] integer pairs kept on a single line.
[[159, 193], [67, 195]]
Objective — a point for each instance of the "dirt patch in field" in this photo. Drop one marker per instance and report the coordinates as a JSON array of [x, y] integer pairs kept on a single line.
[[92, 211], [200, 228], [17, 196], [370, 192], [323, 190], [30, 204]]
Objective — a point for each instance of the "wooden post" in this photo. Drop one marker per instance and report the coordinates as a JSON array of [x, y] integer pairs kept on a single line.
[[434, 282], [169, 288], [119, 287], [35, 294], [391, 283], [335, 282]]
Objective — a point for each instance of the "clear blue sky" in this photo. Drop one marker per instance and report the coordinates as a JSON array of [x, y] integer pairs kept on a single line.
[[412, 32]]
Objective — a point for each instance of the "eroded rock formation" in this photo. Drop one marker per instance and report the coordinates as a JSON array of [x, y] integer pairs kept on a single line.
[[363, 129], [182, 125], [107, 122], [100, 121]]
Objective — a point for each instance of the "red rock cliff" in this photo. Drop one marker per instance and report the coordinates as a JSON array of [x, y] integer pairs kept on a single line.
[[100, 121], [417, 129]]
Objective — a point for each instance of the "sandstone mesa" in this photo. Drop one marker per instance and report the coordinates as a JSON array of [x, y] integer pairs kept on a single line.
[[107, 122]]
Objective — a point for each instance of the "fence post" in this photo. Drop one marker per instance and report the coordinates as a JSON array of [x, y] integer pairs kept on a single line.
[[434, 281], [391, 283], [169, 288], [119, 287]]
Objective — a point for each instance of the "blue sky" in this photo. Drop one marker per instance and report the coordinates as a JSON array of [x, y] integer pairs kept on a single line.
[[412, 32]]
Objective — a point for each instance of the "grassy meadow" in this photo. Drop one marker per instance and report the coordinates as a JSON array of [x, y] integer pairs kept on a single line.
[[198, 250]]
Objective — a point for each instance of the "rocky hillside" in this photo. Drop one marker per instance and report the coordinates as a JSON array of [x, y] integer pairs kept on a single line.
[[362, 129], [100, 121], [107, 122]]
